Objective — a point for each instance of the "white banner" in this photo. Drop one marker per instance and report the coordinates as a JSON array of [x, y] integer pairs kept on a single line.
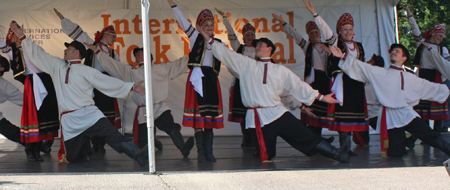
[[169, 42]]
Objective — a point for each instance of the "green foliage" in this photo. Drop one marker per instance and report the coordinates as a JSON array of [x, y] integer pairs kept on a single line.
[[427, 13]]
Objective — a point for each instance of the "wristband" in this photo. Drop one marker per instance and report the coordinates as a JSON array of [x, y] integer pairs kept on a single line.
[[22, 37], [173, 6], [315, 15], [319, 97]]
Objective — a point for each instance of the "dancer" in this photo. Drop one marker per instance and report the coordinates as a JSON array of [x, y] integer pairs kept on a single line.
[[161, 74], [75, 82], [398, 91], [40, 120], [203, 102], [237, 110]]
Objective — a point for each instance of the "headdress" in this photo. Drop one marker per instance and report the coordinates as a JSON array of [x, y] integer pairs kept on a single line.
[[345, 19], [436, 29], [311, 26], [248, 27], [99, 35], [203, 16]]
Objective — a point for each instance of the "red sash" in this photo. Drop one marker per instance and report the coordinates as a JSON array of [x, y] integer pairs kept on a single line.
[[62, 150], [262, 144], [384, 137], [136, 126]]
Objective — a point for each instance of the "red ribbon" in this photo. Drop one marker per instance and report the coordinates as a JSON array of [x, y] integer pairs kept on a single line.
[[136, 126], [384, 137]]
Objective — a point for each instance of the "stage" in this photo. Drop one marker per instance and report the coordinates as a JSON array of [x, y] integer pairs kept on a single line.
[[230, 157]]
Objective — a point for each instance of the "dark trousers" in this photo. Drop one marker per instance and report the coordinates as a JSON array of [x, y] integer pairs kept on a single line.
[[77, 148], [164, 123], [292, 130], [9, 130], [418, 128]]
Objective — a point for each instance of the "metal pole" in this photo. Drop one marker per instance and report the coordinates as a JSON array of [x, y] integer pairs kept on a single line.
[[145, 5]]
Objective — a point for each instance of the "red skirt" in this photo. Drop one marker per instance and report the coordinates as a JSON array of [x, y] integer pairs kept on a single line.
[[191, 115], [29, 125]]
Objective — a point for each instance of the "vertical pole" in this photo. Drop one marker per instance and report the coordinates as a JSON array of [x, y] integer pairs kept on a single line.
[[145, 5]]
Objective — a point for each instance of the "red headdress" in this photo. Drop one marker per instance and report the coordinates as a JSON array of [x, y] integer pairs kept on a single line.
[[248, 27], [436, 29], [345, 19], [311, 26], [10, 35], [203, 16], [99, 35]]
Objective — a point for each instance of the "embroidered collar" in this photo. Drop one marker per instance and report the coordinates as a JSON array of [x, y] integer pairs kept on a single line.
[[265, 59], [396, 67], [74, 61]]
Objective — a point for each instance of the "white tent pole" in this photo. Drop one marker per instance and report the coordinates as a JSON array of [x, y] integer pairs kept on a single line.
[[145, 5]]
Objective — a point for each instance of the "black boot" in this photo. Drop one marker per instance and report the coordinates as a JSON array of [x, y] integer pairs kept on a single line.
[[37, 151], [209, 135], [178, 141], [247, 140], [47, 146], [441, 144], [411, 142], [342, 140], [133, 151], [341, 154], [158, 144], [438, 124], [199, 140], [29, 150]]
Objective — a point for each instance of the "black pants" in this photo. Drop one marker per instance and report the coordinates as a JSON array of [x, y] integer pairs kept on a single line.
[[164, 123], [9, 130], [77, 147], [417, 127], [292, 130]]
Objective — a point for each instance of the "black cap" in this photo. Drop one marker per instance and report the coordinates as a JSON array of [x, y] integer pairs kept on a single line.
[[5, 64], [79, 46], [267, 41], [136, 50], [405, 51]]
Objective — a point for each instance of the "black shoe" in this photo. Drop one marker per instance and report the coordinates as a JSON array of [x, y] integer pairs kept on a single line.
[[46, 146], [199, 140], [188, 147], [329, 140], [37, 151], [327, 150], [411, 142], [158, 144], [247, 140], [209, 135]]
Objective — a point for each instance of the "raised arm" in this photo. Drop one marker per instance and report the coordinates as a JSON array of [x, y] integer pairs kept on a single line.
[[414, 27], [234, 42], [330, 38], [291, 32], [42, 60], [354, 68], [73, 30]]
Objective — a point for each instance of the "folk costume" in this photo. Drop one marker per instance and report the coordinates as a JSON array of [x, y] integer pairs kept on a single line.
[[237, 110], [266, 116], [161, 74], [427, 70], [352, 114], [398, 91], [40, 120], [203, 100], [315, 73], [8, 92], [80, 118], [108, 105]]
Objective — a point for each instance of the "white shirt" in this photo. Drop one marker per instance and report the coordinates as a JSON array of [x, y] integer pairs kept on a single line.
[[76, 95], [8, 92], [387, 85], [161, 74], [265, 96]]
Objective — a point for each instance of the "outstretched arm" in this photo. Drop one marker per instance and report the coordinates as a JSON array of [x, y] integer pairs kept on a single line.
[[354, 68], [414, 27], [185, 25], [330, 38], [442, 65], [73, 30], [42, 60]]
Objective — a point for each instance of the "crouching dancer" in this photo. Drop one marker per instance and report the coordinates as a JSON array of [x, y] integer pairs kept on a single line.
[[263, 82], [397, 91], [74, 84]]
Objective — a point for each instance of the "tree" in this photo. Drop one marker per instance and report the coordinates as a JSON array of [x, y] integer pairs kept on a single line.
[[427, 13]]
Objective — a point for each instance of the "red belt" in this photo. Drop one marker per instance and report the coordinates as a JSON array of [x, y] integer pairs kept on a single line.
[[62, 150], [262, 144]]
